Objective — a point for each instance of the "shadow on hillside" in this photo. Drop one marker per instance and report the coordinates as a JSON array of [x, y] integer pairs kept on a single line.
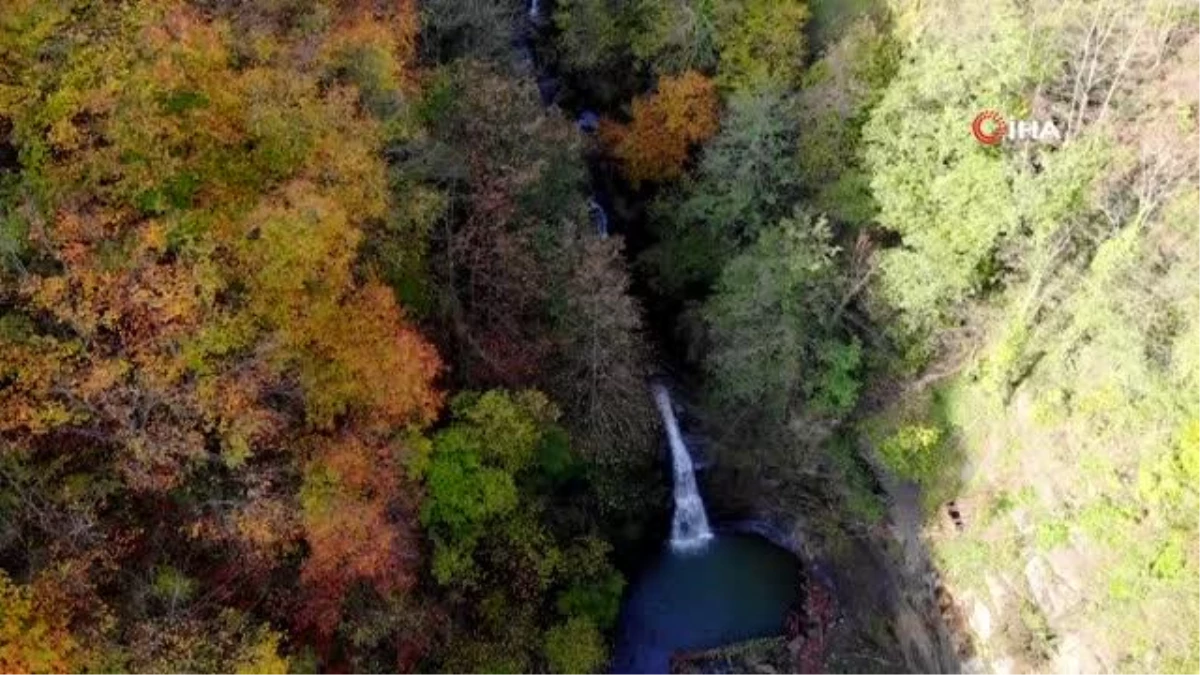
[[857, 534]]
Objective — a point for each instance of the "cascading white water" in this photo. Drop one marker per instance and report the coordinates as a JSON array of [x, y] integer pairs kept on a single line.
[[689, 527], [599, 218], [534, 9]]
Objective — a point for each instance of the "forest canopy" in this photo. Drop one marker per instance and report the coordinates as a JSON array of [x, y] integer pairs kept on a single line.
[[226, 331], [314, 355]]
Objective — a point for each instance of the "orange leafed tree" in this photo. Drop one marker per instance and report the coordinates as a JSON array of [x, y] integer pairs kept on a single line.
[[664, 126], [351, 489], [373, 360], [34, 632]]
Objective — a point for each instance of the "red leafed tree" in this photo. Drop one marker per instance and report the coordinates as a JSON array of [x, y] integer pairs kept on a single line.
[[496, 270], [808, 627], [352, 487]]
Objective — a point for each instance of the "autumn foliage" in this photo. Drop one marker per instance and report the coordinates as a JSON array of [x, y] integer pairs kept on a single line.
[[34, 631], [351, 488], [231, 234], [190, 333], [663, 127]]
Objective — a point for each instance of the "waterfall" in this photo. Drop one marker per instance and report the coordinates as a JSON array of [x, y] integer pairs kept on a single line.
[[599, 218], [588, 122], [689, 528], [534, 9]]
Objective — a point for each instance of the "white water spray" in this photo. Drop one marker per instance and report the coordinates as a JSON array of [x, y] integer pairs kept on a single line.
[[689, 528], [534, 9], [599, 218]]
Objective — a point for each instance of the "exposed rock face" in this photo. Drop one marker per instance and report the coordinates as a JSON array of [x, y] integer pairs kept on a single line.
[[981, 619], [880, 615], [1074, 658], [1052, 596], [1048, 586], [892, 614]]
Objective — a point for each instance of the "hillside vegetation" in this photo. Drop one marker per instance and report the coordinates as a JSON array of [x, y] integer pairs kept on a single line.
[[298, 351], [1009, 330], [311, 358]]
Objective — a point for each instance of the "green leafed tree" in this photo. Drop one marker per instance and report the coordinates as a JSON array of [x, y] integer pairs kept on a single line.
[[760, 42], [745, 182], [840, 90], [492, 478], [948, 196], [768, 319], [575, 646], [591, 33], [673, 36]]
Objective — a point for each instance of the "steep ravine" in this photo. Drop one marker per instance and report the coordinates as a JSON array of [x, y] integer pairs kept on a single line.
[[864, 601]]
